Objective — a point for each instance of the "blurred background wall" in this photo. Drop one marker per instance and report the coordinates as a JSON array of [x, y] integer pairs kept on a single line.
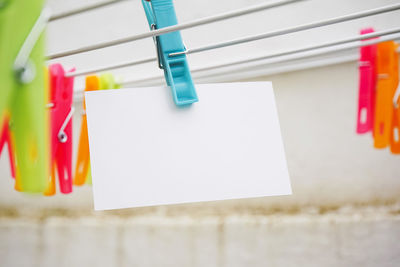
[[345, 204]]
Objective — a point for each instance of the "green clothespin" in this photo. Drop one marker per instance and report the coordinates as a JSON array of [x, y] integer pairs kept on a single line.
[[22, 92], [107, 81], [4, 71]]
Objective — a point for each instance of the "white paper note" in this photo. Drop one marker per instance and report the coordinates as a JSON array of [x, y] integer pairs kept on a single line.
[[145, 151]]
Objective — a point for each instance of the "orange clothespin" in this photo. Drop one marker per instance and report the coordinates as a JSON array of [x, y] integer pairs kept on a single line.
[[83, 160], [107, 81], [395, 129], [6, 139], [386, 86]]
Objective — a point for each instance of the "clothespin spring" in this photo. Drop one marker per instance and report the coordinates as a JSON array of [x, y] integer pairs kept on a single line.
[[62, 136], [49, 105], [158, 49], [158, 52], [364, 64], [186, 51]]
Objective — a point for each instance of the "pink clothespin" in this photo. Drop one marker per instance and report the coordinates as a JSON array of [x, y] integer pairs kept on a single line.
[[61, 95], [5, 138], [367, 84]]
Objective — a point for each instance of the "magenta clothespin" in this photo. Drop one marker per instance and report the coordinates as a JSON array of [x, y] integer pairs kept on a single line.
[[61, 96], [5, 139], [367, 84]]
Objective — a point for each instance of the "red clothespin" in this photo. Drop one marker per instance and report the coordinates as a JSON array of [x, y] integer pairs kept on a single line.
[[61, 111], [5, 138], [367, 84]]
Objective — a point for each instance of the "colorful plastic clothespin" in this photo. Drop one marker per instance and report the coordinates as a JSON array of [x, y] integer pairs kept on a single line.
[[61, 111], [171, 51], [5, 92], [395, 129], [367, 84], [107, 81], [82, 170], [5, 139], [22, 93], [386, 87]]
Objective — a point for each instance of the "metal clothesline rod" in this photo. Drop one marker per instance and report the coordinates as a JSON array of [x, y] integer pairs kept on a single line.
[[282, 57], [110, 67], [78, 94], [229, 43], [240, 72], [247, 73], [305, 52], [314, 63], [228, 15], [299, 28], [187, 25], [83, 9]]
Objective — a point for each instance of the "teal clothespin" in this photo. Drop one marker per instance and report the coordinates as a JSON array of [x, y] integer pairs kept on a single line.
[[161, 14]]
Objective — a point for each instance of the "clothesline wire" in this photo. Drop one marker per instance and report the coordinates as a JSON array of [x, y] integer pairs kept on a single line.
[[270, 34], [280, 57], [229, 43], [308, 51], [83, 9], [228, 15], [187, 25], [299, 28], [295, 66], [269, 69]]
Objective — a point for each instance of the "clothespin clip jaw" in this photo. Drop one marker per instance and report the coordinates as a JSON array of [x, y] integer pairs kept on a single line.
[[171, 51]]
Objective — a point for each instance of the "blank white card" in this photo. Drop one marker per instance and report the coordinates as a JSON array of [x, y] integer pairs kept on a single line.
[[145, 151]]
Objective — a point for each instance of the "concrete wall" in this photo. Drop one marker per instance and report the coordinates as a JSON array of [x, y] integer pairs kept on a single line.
[[346, 237]]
